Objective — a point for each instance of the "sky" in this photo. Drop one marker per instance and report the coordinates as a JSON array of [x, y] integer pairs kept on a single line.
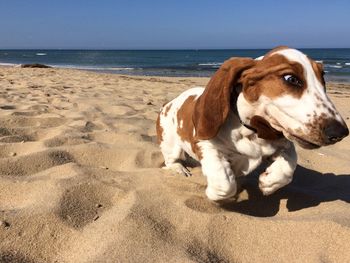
[[176, 24]]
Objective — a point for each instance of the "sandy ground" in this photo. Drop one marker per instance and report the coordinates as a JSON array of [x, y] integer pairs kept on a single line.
[[80, 181]]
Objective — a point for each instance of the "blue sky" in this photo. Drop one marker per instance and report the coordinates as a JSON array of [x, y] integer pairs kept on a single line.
[[176, 24]]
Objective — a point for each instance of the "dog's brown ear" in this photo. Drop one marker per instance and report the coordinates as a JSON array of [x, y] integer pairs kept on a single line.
[[212, 107]]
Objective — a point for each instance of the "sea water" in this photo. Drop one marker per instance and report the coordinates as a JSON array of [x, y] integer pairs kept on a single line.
[[166, 62]]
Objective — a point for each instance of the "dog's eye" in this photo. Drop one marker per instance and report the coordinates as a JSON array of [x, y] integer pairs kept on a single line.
[[293, 80]]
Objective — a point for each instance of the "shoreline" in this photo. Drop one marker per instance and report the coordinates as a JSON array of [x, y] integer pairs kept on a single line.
[[167, 63], [328, 82]]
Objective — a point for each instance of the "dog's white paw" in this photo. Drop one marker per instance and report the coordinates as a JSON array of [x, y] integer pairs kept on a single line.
[[271, 181], [218, 192]]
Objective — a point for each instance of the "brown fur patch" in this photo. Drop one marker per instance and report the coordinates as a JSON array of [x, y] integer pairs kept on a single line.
[[185, 132], [159, 130], [316, 128], [319, 72], [264, 129], [266, 78], [167, 108], [278, 48]]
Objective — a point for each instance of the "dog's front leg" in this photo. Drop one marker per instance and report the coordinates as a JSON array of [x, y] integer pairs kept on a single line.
[[280, 172], [220, 177]]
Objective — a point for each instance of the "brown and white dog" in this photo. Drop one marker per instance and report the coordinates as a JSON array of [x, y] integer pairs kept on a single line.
[[251, 109]]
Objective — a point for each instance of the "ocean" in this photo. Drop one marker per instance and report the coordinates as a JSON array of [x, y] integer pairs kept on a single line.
[[166, 62]]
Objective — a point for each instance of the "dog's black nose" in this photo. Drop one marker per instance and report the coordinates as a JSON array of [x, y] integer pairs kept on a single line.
[[335, 131]]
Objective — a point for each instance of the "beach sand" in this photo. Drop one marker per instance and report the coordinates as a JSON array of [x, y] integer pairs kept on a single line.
[[80, 181]]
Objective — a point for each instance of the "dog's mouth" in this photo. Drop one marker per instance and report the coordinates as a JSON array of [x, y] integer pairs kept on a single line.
[[282, 132], [303, 142]]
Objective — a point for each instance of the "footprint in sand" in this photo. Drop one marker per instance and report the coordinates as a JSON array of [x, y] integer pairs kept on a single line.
[[25, 113], [148, 138], [84, 203], [17, 138], [20, 134], [8, 107], [148, 219], [4, 132], [41, 108], [23, 129], [20, 121], [202, 204], [198, 252], [12, 257], [65, 141], [90, 127], [33, 163]]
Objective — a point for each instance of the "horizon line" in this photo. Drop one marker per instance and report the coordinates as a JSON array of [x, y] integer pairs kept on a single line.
[[166, 49]]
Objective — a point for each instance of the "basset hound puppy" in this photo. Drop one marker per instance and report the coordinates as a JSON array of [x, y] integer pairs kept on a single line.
[[251, 110]]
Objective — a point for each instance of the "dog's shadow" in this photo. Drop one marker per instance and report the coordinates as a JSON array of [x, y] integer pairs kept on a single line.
[[309, 188]]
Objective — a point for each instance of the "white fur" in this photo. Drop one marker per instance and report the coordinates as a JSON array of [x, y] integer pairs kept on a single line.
[[229, 155], [305, 109]]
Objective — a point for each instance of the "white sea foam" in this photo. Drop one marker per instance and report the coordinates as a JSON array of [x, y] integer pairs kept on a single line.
[[334, 66], [41, 54], [210, 64], [8, 64], [319, 61], [92, 68], [347, 63], [117, 68]]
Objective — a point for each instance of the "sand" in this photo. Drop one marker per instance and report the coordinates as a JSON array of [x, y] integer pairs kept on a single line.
[[80, 181]]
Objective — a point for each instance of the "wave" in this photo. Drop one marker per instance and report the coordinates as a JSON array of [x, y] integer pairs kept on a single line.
[[210, 64], [97, 68], [92, 67], [41, 54], [8, 64], [347, 63], [117, 68], [333, 66]]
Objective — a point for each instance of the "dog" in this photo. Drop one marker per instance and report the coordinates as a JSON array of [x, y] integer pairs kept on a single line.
[[250, 111]]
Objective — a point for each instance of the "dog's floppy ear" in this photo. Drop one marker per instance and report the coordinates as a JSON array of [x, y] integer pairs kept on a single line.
[[212, 107]]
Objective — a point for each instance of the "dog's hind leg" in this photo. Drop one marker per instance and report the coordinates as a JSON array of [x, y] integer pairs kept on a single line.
[[171, 151], [172, 158]]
